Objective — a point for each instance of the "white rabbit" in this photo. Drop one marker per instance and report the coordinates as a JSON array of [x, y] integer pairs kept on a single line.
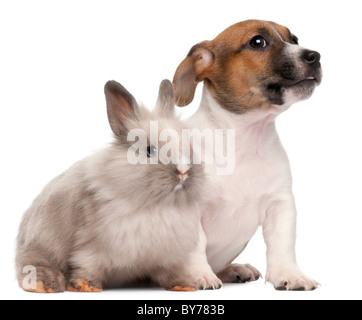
[[106, 222]]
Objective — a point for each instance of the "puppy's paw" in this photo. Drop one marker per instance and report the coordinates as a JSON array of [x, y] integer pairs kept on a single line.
[[207, 281], [84, 286], [239, 273], [290, 279], [198, 281], [47, 281]]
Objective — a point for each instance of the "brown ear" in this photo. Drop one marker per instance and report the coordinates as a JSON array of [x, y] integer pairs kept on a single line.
[[121, 106], [191, 71]]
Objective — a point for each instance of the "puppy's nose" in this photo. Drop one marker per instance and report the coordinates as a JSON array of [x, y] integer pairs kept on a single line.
[[311, 57]]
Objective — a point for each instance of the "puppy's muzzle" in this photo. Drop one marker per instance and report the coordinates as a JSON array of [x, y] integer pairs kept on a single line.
[[312, 61], [301, 67]]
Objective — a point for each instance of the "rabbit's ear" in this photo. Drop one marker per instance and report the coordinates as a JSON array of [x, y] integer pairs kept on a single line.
[[121, 106], [166, 99]]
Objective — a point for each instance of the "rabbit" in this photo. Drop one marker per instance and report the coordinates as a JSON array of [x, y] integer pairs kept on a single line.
[[105, 223]]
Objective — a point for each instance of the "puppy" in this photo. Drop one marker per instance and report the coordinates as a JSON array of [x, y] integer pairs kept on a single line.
[[252, 72]]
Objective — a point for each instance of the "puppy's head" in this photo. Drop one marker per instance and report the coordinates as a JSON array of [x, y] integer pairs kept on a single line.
[[251, 65]]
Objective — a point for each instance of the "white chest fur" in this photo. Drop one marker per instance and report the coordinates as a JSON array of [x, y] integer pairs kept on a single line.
[[241, 200]]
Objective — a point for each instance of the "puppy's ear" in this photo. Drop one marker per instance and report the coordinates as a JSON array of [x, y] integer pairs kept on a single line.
[[121, 106], [166, 99], [191, 71]]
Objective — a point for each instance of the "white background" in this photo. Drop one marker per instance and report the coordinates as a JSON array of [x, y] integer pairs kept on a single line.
[[55, 57]]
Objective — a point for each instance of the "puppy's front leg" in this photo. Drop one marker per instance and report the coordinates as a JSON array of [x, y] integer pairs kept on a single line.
[[279, 229]]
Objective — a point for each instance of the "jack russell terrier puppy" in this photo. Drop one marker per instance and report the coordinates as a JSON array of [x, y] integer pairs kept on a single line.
[[252, 72]]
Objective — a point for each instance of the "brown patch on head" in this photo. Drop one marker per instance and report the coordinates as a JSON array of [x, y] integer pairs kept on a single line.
[[240, 68], [236, 66]]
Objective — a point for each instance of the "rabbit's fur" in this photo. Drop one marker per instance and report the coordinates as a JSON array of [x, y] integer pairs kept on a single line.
[[104, 222]]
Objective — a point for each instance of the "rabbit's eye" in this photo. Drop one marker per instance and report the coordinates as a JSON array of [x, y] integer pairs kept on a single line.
[[151, 151]]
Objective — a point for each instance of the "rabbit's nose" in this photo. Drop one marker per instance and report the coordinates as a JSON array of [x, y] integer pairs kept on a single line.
[[183, 169]]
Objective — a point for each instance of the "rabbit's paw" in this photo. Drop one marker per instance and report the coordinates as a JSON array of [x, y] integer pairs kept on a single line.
[[183, 289], [40, 288], [84, 286], [47, 281]]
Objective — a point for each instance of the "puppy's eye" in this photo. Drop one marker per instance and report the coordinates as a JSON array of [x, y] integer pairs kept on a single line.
[[258, 42], [295, 39], [151, 151]]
